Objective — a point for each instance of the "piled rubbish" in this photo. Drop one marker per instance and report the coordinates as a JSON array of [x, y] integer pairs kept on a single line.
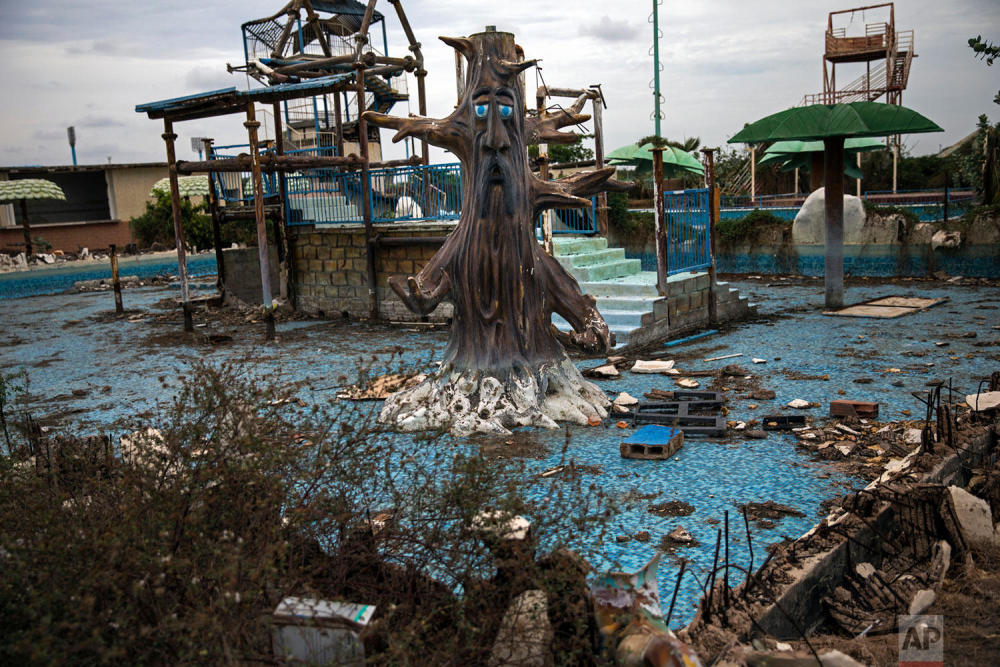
[[882, 553]]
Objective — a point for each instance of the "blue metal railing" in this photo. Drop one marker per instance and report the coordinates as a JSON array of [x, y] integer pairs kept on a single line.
[[236, 188], [322, 196], [687, 226], [571, 220], [422, 192]]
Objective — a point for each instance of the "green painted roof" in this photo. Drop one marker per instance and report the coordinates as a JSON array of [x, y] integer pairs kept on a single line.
[[824, 121]]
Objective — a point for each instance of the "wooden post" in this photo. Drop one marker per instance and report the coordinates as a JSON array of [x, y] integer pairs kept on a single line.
[[895, 162], [175, 202], [660, 222], [366, 191], [26, 228], [258, 203], [543, 174], [338, 124], [213, 209], [116, 281], [834, 200], [713, 214], [602, 196], [279, 221]]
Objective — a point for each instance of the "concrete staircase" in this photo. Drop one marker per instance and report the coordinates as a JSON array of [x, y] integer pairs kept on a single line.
[[627, 296]]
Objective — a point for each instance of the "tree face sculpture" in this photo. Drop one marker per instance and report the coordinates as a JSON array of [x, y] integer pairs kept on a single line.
[[503, 366]]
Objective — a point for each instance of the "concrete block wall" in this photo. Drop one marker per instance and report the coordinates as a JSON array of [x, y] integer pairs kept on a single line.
[[331, 275], [243, 273]]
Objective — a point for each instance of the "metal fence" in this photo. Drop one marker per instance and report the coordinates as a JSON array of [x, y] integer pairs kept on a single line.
[[235, 188], [686, 214], [928, 204], [422, 192], [571, 220]]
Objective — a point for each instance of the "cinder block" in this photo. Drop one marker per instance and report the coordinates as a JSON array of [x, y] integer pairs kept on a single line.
[[698, 299], [701, 282], [323, 252]]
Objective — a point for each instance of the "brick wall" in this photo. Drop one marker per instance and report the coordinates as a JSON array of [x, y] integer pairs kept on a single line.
[[330, 268], [71, 236]]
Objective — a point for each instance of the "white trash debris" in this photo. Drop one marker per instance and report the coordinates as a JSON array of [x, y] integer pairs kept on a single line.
[[654, 366], [798, 403]]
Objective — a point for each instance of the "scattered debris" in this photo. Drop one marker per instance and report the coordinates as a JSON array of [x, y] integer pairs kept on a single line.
[[759, 361], [725, 356], [688, 383], [606, 371], [672, 508], [989, 400], [382, 387], [849, 408], [654, 366], [799, 403]]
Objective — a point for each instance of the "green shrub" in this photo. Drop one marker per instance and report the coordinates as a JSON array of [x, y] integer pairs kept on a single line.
[[732, 231], [178, 551], [156, 225]]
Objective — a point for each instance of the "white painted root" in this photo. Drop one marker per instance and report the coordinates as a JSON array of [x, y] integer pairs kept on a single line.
[[479, 402]]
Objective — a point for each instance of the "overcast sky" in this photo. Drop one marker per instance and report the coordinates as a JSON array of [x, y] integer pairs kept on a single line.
[[725, 62]]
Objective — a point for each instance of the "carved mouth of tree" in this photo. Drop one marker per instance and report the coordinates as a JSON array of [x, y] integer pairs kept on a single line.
[[495, 174]]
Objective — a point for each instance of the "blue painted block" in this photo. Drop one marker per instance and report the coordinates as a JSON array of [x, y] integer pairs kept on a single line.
[[652, 442]]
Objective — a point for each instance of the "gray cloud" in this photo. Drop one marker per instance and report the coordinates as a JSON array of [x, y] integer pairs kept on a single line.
[[210, 78], [610, 30], [99, 121]]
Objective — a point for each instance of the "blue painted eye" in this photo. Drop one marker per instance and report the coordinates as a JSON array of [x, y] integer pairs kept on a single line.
[[481, 110], [506, 111]]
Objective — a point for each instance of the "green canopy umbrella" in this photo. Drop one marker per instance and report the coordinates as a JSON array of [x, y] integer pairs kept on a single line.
[[832, 124], [24, 189], [188, 186], [676, 161], [807, 155]]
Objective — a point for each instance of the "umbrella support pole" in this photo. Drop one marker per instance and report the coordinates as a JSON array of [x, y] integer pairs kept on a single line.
[[834, 208], [252, 124], [660, 222], [27, 229]]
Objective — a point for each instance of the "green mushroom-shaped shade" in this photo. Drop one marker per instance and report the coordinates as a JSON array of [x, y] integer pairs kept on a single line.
[[832, 124], [188, 186], [675, 160], [29, 188]]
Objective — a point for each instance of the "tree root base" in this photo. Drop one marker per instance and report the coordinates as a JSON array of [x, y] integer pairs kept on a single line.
[[466, 402]]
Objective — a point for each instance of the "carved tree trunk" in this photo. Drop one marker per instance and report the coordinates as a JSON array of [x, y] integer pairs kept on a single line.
[[504, 365]]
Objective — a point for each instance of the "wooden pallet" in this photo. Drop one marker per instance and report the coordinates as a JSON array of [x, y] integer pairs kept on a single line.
[[782, 422], [678, 415]]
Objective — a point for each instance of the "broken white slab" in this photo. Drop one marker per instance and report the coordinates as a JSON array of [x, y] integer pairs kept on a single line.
[[619, 409], [808, 435], [740, 426], [680, 535], [846, 447], [608, 371], [974, 517], [911, 436], [798, 403], [759, 361], [624, 399], [981, 402], [653, 366], [687, 383], [846, 429], [864, 570]]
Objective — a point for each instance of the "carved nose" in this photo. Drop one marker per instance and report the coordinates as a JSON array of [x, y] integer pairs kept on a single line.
[[496, 135]]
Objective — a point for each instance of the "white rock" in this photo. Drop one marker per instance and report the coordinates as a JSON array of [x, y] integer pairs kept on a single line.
[[47, 258], [921, 601], [985, 401], [85, 253], [759, 361], [864, 570], [798, 403], [620, 409], [687, 383], [525, 633], [782, 646], [943, 239], [20, 261], [406, 207], [608, 371], [808, 436], [911, 436], [838, 659], [740, 426], [653, 366], [680, 535], [625, 399], [809, 227], [974, 517]]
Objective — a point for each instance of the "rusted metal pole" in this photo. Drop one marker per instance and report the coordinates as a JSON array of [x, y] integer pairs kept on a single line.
[[279, 223], [660, 222], [420, 73], [116, 281], [26, 228], [459, 77], [713, 215], [252, 124], [834, 200], [175, 202], [602, 197], [366, 193], [543, 174], [213, 209], [753, 174]]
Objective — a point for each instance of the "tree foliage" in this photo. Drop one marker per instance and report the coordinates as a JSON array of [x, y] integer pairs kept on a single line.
[[156, 225]]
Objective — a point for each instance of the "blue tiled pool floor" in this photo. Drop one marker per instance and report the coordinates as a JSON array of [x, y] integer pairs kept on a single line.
[[66, 342]]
